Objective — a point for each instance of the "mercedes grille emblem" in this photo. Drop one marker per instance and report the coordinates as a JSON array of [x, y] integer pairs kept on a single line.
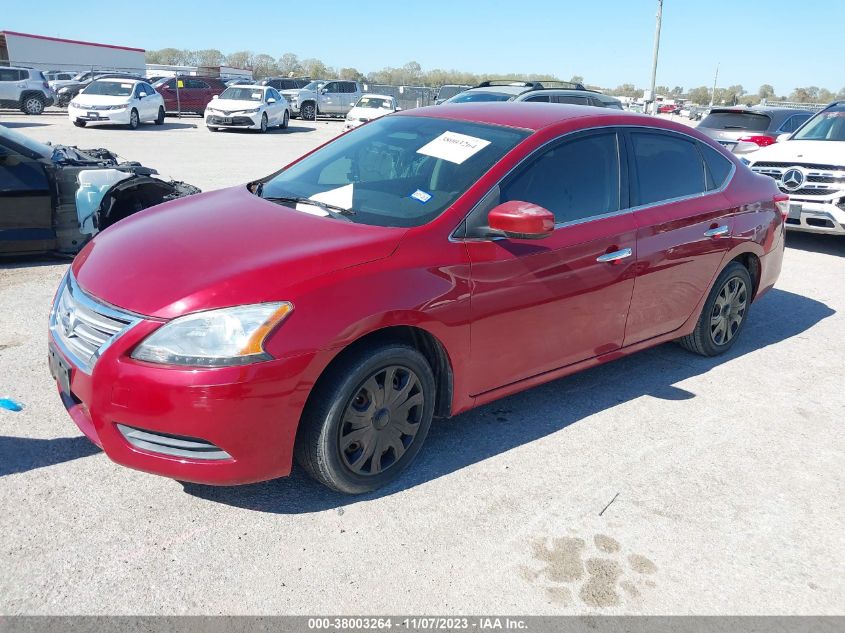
[[792, 179]]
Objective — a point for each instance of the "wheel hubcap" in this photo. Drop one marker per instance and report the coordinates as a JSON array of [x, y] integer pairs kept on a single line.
[[381, 421], [728, 311]]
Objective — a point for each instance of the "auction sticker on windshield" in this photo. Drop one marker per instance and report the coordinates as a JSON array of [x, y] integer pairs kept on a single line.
[[454, 147]]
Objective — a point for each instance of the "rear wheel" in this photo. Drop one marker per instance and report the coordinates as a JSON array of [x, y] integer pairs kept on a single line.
[[724, 313], [367, 419], [160, 117], [134, 121], [32, 104]]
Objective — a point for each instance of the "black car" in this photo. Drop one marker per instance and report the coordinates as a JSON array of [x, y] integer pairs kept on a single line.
[[54, 198], [66, 93]]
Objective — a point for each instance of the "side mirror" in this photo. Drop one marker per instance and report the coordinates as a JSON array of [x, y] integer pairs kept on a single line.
[[783, 137], [142, 95], [398, 109], [271, 100], [323, 91], [216, 97], [521, 220]]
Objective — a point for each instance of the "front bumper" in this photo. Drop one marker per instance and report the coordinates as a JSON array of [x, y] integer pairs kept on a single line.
[[812, 216], [113, 117], [222, 426], [234, 120]]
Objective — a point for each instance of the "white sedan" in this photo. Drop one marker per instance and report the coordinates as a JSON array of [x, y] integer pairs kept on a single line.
[[117, 102], [370, 107], [248, 107]]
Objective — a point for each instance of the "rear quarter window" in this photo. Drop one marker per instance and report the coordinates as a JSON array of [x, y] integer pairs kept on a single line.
[[718, 167], [750, 121]]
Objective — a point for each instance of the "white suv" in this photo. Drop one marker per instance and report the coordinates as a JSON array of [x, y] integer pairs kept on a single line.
[[331, 98], [25, 89], [809, 165]]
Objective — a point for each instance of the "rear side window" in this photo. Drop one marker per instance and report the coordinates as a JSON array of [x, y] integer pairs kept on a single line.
[[751, 121], [718, 167], [668, 167], [9, 74], [542, 98], [793, 122], [571, 99], [575, 180], [196, 84]]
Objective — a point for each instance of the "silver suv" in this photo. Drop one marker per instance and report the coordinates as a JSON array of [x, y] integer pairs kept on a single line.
[[575, 97], [24, 89], [321, 96]]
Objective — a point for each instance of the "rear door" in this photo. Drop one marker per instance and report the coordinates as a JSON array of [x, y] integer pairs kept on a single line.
[[9, 80], [199, 94], [684, 227], [26, 211], [538, 305]]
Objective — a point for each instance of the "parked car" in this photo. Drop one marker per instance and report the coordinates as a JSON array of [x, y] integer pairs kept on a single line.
[[55, 197], [573, 97], [57, 78], [809, 165], [447, 91], [66, 93], [744, 130], [321, 96], [285, 83], [248, 107], [327, 310], [24, 89], [117, 102], [507, 90], [369, 107], [188, 94]]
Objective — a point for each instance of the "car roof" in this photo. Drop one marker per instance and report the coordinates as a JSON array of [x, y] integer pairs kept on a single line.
[[257, 86], [120, 80], [370, 94], [532, 116], [510, 90]]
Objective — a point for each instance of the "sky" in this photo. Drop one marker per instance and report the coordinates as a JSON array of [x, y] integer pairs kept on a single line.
[[608, 42]]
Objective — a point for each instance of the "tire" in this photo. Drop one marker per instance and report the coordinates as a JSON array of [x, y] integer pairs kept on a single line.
[[213, 129], [308, 111], [79, 123], [285, 121], [160, 117], [346, 421], [134, 120], [263, 127], [724, 313], [32, 104]]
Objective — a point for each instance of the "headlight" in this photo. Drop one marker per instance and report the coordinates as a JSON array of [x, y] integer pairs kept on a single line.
[[253, 111], [119, 106], [215, 338]]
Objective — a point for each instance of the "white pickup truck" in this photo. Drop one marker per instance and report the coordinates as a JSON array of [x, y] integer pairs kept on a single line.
[[809, 165], [326, 97]]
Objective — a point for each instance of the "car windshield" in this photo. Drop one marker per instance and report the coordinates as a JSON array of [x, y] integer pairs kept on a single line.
[[449, 91], [34, 146], [110, 88], [374, 102], [467, 97], [828, 125], [398, 170], [751, 121], [242, 94], [315, 85]]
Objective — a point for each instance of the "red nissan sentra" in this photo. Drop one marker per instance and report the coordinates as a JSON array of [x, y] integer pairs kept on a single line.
[[423, 264]]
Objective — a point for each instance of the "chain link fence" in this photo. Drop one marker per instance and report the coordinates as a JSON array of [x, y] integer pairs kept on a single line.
[[407, 97]]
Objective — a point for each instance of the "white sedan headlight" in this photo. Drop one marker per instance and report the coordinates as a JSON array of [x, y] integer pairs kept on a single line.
[[253, 111], [215, 338]]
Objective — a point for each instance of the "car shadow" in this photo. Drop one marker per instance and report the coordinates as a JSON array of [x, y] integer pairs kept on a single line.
[[22, 454], [817, 243], [11, 124], [522, 418], [292, 129]]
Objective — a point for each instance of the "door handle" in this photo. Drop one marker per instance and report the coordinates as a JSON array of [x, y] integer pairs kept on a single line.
[[718, 231], [615, 256]]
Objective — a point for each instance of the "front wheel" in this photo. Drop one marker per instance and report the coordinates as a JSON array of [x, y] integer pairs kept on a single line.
[[724, 313], [134, 121], [160, 117], [367, 419], [285, 121], [309, 111], [263, 127]]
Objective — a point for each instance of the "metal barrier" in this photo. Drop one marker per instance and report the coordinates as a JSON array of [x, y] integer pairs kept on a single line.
[[407, 97], [812, 107]]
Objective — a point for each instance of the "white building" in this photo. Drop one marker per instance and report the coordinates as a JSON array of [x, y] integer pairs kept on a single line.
[[53, 53]]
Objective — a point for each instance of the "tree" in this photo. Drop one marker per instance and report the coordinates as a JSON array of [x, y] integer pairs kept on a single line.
[[804, 95], [289, 65], [700, 95], [841, 94], [577, 79], [661, 90], [210, 57], [351, 74], [627, 90], [676, 92], [766, 91], [240, 59], [169, 56], [825, 96], [315, 68], [264, 65]]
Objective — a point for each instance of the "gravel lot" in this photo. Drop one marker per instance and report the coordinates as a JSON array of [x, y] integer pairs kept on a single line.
[[726, 475]]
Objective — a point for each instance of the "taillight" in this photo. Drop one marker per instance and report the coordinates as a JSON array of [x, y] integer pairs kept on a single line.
[[760, 139], [782, 204]]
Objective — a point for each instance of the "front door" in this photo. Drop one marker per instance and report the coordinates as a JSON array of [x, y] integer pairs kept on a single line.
[[330, 98], [684, 227], [26, 212], [544, 304]]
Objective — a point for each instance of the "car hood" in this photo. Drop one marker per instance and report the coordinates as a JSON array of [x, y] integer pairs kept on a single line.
[[220, 249], [368, 113], [821, 152], [87, 100], [233, 105]]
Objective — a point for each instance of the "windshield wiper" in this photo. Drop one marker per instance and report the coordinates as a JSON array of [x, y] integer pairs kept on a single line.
[[339, 213]]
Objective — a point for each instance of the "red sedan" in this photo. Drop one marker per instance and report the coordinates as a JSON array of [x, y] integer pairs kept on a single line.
[[423, 264]]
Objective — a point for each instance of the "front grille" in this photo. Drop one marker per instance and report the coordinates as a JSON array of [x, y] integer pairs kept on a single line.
[[235, 120], [819, 180], [173, 445], [83, 327]]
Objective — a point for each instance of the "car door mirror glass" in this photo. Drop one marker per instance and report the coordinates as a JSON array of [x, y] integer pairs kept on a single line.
[[518, 219], [271, 100]]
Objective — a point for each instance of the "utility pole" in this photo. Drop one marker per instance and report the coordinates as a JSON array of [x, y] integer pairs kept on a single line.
[[715, 79], [654, 59]]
